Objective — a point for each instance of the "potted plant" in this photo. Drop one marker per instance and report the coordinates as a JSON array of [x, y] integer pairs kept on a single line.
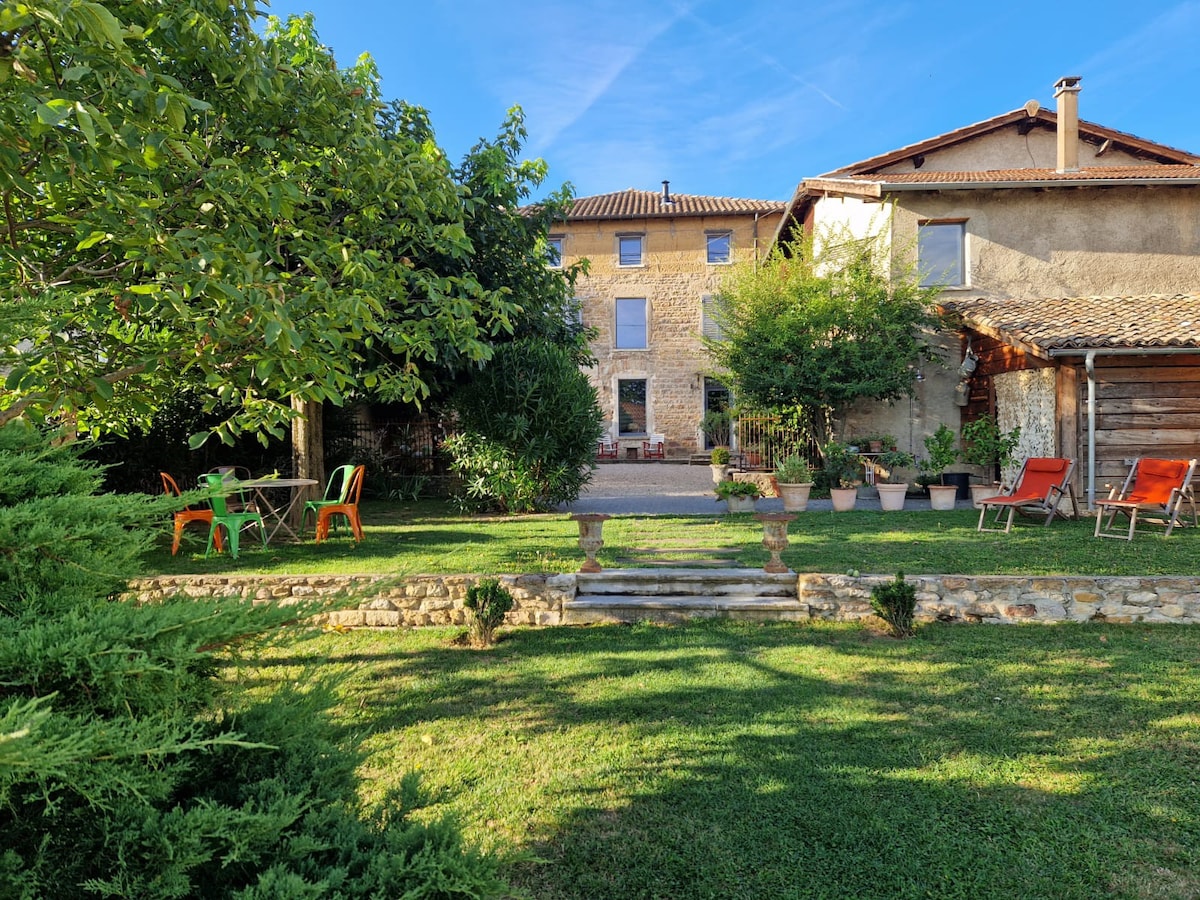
[[793, 482], [719, 464], [986, 446], [942, 453], [841, 471], [893, 489], [715, 426], [880, 443], [739, 496]]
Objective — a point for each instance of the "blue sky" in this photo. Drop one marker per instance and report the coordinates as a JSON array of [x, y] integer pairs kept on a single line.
[[745, 99]]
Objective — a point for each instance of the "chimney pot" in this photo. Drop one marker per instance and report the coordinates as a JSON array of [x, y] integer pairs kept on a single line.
[[666, 192]]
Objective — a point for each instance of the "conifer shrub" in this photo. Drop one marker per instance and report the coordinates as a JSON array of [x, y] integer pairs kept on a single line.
[[487, 602], [128, 768], [896, 603]]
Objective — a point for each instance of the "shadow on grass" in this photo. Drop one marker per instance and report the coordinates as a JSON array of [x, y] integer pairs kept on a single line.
[[716, 760]]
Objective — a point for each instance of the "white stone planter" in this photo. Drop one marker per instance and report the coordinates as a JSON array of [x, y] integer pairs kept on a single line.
[[891, 496], [719, 473], [794, 496], [740, 504], [980, 492], [941, 496], [843, 498]]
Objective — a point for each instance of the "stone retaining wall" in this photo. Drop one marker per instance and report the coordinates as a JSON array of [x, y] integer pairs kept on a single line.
[[1007, 598], [438, 599]]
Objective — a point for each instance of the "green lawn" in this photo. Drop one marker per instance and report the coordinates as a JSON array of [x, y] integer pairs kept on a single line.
[[431, 538], [719, 760]]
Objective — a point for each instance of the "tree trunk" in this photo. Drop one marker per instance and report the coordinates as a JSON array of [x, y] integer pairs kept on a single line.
[[308, 450]]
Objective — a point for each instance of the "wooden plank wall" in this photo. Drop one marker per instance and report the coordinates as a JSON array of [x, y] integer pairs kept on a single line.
[[995, 357], [1145, 406]]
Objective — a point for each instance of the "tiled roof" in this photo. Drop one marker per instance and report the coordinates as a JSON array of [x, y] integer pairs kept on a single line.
[[1043, 117], [1087, 323], [1091, 173], [633, 204]]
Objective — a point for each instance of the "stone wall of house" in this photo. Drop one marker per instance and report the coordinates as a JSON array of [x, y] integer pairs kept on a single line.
[[674, 278], [438, 599], [1009, 599]]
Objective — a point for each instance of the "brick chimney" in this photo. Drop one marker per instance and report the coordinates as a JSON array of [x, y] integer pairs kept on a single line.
[[1066, 92]]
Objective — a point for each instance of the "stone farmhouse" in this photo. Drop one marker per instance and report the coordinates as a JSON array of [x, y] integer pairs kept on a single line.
[[655, 259], [1069, 255]]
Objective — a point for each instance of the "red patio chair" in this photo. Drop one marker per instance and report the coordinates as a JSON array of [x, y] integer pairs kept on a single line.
[[1040, 486], [1158, 487], [606, 448], [347, 508], [186, 515]]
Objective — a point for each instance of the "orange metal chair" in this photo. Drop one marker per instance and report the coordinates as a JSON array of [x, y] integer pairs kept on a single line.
[[1041, 484], [1158, 487], [654, 447], [348, 508], [185, 515]]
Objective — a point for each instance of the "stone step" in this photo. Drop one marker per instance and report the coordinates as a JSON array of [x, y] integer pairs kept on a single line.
[[592, 609], [677, 563], [687, 581]]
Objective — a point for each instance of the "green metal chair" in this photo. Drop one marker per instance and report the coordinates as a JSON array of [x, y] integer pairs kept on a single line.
[[232, 522], [335, 494]]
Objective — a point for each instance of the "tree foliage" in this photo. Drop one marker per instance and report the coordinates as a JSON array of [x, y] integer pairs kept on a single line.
[[183, 199], [819, 325], [528, 425], [128, 769]]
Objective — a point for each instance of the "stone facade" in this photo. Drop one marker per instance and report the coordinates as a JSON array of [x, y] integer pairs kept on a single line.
[[1001, 599], [673, 278]]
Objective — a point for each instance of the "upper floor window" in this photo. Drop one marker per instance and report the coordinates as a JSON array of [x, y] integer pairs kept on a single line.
[[554, 247], [629, 250], [718, 247], [631, 324], [941, 253]]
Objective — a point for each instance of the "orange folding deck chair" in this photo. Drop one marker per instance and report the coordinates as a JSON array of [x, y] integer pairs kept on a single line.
[[1041, 484], [1158, 487]]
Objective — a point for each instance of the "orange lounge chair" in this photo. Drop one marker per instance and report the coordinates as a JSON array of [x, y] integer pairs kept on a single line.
[[1155, 486], [347, 508], [185, 515], [1041, 484]]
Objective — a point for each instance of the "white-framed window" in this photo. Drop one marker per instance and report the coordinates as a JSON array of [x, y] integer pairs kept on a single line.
[[632, 406], [573, 312], [554, 251], [941, 253], [629, 249], [632, 332], [718, 243], [709, 326]]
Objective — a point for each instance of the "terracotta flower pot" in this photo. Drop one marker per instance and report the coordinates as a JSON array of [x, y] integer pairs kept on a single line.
[[981, 491], [794, 496], [843, 498], [891, 496], [942, 496]]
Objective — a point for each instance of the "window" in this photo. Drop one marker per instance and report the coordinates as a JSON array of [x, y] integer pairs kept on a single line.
[[631, 406], [554, 247], [718, 247], [629, 250], [631, 324], [573, 312], [940, 253], [710, 327]]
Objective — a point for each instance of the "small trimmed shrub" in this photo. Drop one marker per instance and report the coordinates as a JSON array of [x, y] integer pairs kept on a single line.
[[720, 456], [896, 603], [487, 602]]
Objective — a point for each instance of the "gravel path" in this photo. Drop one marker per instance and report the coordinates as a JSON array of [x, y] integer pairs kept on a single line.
[[668, 488]]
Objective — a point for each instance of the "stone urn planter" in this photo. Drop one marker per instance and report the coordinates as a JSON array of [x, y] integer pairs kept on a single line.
[[775, 538], [591, 538], [719, 473], [942, 496], [843, 499], [891, 496], [981, 491], [794, 496]]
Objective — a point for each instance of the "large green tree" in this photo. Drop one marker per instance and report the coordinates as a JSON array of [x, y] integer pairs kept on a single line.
[[820, 324], [184, 201]]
